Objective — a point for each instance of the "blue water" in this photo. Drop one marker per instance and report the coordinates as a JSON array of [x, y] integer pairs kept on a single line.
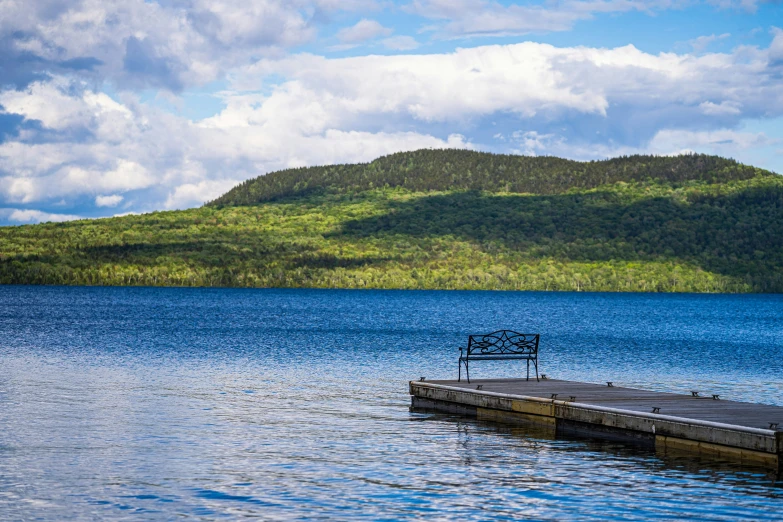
[[155, 404]]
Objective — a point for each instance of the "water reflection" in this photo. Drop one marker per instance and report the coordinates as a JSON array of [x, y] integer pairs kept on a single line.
[[544, 438]]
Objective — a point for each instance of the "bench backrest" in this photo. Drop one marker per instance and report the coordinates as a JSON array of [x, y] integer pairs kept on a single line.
[[503, 342]]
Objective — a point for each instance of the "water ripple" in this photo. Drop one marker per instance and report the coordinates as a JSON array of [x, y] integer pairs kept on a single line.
[[161, 403]]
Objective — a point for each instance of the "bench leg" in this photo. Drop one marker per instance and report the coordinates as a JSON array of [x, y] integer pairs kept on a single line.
[[535, 367], [459, 370]]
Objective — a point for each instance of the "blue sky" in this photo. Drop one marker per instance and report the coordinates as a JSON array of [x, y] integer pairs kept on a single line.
[[114, 107]]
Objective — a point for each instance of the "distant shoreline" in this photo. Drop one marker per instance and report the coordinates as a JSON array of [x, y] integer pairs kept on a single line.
[[455, 290]]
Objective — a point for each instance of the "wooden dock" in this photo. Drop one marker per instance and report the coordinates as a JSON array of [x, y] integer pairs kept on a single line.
[[697, 423]]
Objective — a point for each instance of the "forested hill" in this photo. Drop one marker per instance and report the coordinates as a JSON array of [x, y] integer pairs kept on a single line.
[[440, 170], [441, 220]]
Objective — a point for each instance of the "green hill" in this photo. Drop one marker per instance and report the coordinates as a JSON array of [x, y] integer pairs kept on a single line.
[[441, 219], [448, 170]]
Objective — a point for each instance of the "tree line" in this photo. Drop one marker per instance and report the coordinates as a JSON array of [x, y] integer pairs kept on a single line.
[[452, 169]]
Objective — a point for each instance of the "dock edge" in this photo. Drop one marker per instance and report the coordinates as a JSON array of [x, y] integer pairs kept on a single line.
[[667, 433]]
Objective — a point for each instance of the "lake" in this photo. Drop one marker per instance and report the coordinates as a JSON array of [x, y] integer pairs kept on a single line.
[[147, 403]]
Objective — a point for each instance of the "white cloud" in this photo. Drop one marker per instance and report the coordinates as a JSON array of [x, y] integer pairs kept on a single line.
[[140, 44], [51, 104], [166, 161], [746, 5], [400, 43], [35, 216], [72, 180], [724, 142], [702, 42], [776, 47], [193, 194], [449, 87], [108, 201], [466, 18], [666, 142], [528, 80], [361, 32], [531, 143], [469, 18], [347, 5], [721, 109]]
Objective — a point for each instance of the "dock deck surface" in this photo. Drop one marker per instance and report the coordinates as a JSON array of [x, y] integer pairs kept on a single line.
[[703, 407], [670, 421]]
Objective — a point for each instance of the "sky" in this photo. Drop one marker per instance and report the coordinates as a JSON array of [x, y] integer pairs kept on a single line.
[[130, 106]]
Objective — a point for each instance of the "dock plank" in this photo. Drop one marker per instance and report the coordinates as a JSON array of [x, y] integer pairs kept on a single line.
[[703, 408]]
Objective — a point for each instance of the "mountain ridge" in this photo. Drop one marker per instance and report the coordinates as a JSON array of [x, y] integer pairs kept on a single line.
[[426, 170]]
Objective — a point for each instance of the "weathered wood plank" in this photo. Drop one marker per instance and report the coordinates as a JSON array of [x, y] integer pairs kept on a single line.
[[702, 407], [679, 420]]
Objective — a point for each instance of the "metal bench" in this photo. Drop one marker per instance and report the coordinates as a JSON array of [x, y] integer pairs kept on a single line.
[[499, 346]]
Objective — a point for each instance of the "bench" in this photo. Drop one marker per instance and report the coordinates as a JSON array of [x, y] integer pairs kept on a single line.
[[499, 346]]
